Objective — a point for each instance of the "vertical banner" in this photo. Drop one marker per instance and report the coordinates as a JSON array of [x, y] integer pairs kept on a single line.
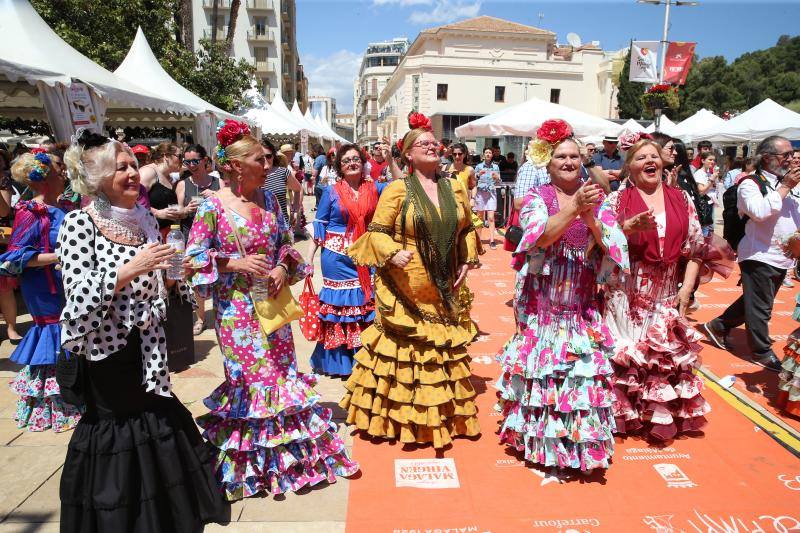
[[304, 142], [644, 61], [677, 62], [81, 108]]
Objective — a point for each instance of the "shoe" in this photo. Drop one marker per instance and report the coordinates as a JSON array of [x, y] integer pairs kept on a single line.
[[770, 362], [198, 327], [717, 335], [694, 306], [788, 283]]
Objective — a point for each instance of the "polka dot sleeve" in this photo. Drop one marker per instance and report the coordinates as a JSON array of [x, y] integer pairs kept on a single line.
[[89, 289]]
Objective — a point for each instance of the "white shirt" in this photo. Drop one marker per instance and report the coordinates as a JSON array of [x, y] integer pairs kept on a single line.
[[772, 219]]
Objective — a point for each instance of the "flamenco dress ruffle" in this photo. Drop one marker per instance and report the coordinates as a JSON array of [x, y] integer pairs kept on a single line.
[[789, 377], [343, 317], [274, 439], [136, 461]]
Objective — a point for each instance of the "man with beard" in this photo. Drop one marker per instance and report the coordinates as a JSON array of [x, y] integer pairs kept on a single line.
[[772, 218]]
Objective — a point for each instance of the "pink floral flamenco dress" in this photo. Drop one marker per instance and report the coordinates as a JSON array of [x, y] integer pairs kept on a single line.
[[555, 390], [656, 351], [266, 422]]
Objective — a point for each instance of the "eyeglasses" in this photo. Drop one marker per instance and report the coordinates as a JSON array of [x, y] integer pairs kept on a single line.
[[426, 145], [354, 159], [192, 162], [670, 149], [458, 154], [782, 155]]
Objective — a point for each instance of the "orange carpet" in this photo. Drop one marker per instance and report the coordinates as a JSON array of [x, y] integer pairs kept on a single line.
[[734, 478]]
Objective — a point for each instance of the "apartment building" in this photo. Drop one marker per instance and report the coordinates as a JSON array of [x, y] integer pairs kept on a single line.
[[324, 106], [344, 125], [264, 35], [377, 66]]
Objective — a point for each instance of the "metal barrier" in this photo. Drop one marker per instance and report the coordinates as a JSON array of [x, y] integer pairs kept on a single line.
[[505, 203]]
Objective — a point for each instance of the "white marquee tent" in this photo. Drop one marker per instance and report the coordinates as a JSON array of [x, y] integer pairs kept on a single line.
[[632, 126], [310, 126], [265, 117], [523, 120], [38, 70], [666, 126], [141, 68], [280, 108], [765, 119], [703, 120]]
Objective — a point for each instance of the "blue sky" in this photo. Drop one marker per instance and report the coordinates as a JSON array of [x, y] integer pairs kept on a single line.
[[332, 34]]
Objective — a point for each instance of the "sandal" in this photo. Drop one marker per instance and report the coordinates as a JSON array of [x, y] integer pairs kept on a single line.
[[199, 326]]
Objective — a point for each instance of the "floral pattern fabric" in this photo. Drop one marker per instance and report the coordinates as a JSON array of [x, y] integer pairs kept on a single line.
[[555, 390], [789, 376], [656, 350], [265, 420]]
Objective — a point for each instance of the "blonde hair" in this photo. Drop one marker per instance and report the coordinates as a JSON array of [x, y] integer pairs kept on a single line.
[[408, 142], [22, 166], [163, 150], [237, 151], [88, 168]]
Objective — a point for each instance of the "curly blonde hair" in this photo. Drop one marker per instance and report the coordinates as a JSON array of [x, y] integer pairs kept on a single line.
[[88, 168], [22, 166]]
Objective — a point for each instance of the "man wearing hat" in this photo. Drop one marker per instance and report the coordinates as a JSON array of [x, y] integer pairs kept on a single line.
[[142, 154], [609, 160]]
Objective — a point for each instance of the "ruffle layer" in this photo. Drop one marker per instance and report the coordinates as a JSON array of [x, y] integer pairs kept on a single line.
[[789, 377], [656, 389], [335, 334], [273, 438], [358, 313], [342, 297], [412, 392], [40, 406], [148, 472], [333, 362], [39, 346]]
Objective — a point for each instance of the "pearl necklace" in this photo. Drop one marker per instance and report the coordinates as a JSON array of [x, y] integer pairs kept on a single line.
[[116, 221]]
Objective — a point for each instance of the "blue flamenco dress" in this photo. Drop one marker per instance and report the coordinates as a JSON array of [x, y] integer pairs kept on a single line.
[[343, 312], [40, 406]]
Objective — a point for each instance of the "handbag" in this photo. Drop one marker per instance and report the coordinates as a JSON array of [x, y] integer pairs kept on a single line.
[[69, 376], [272, 313], [178, 331], [309, 303], [514, 231]]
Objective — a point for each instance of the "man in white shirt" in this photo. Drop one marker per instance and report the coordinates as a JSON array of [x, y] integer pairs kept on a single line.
[[772, 219]]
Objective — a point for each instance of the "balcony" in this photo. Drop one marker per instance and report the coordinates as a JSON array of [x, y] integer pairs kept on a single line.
[[285, 10], [222, 32], [268, 66], [221, 4], [261, 35], [260, 5]]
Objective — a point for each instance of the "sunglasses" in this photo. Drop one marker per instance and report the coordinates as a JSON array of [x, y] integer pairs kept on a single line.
[[192, 162], [458, 154]]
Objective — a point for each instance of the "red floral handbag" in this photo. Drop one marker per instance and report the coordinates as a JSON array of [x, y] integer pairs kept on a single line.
[[309, 303]]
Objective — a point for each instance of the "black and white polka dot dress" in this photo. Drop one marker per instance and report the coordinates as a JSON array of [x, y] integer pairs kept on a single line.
[[95, 321]]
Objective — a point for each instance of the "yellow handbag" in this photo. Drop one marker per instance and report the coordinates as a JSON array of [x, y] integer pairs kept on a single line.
[[272, 313]]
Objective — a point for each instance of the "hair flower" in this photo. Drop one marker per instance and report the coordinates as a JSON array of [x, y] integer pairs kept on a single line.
[[548, 136], [40, 167], [419, 121], [628, 139], [228, 132]]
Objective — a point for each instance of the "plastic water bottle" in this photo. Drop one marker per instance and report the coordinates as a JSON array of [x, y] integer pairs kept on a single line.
[[175, 240]]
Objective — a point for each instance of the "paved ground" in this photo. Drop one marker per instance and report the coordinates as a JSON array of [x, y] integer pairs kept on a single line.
[[30, 463]]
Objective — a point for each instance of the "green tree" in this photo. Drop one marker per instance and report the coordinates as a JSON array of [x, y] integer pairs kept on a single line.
[[629, 93], [103, 30]]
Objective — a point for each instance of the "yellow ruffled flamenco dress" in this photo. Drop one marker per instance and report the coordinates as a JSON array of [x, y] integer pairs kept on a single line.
[[411, 380]]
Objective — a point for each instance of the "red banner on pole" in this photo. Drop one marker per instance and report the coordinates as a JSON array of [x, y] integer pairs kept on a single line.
[[677, 62]]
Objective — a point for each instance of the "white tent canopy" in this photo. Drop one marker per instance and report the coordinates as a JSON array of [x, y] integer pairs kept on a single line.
[[766, 119], [523, 120], [141, 68], [34, 53], [280, 108], [703, 120], [310, 126], [329, 129], [313, 120], [666, 126], [265, 117], [632, 126]]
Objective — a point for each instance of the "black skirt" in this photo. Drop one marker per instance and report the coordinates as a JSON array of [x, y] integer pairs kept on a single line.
[[136, 461]]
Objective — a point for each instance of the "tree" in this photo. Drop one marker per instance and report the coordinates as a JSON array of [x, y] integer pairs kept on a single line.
[[629, 95], [87, 24], [232, 25]]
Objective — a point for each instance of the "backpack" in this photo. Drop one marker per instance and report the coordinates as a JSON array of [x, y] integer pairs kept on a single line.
[[734, 224]]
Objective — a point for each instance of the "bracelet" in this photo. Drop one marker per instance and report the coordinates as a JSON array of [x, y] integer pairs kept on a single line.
[[284, 267]]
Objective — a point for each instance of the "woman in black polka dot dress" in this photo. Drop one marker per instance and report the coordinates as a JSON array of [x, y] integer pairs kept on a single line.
[[136, 461]]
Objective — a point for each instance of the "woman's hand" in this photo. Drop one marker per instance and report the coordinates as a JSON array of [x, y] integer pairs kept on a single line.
[[462, 275], [644, 221], [153, 256], [672, 176], [277, 279], [587, 198], [683, 300], [401, 258], [252, 264], [191, 208], [168, 213]]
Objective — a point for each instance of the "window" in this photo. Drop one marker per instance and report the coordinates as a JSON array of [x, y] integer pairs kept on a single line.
[[499, 93], [260, 53], [441, 91], [260, 24], [415, 92], [555, 95]]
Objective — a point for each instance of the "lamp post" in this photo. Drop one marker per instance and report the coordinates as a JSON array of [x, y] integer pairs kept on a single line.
[[667, 4], [525, 85]]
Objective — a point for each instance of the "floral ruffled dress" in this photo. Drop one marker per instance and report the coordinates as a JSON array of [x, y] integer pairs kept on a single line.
[[40, 406], [265, 421], [789, 376], [656, 351], [555, 391]]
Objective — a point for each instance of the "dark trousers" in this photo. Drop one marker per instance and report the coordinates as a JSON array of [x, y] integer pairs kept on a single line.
[[760, 284]]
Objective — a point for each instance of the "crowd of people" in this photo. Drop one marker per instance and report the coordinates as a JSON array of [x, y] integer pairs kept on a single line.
[[608, 249]]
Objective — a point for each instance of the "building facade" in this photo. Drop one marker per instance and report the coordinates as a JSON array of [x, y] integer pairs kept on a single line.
[[377, 66], [264, 35], [463, 71], [344, 125], [324, 106]]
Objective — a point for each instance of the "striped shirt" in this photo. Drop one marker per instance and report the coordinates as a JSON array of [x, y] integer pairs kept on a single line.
[[276, 184]]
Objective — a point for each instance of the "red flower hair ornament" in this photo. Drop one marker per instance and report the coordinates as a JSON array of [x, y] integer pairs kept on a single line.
[[419, 121], [549, 134], [228, 132]]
